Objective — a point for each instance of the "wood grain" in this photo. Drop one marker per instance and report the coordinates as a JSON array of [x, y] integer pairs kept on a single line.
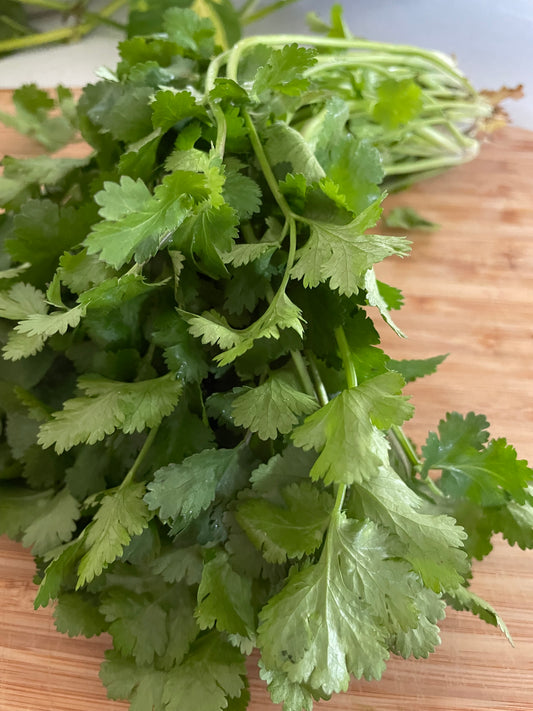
[[468, 292]]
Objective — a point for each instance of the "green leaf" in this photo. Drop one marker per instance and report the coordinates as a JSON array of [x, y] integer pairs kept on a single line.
[[22, 173], [81, 271], [21, 301], [424, 638], [36, 117], [59, 570], [109, 405], [399, 101], [463, 599], [212, 674], [380, 299], [243, 194], [189, 31], [432, 542], [111, 293], [132, 215], [354, 171], [207, 235], [53, 526], [347, 431], [273, 407], [486, 474], [19, 507], [225, 598], [243, 254], [284, 71], [137, 624], [42, 232], [178, 564], [514, 521], [317, 630], [292, 531], [180, 492], [169, 108], [407, 218], [413, 369], [121, 515], [285, 145], [293, 696], [46, 325], [76, 615], [342, 254], [141, 685], [182, 353], [213, 328]]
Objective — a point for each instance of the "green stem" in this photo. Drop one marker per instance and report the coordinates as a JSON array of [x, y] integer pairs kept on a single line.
[[51, 4], [433, 487], [305, 378], [406, 445], [62, 33], [222, 129], [320, 388], [431, 163], [346, 355], [406, 51], [137, 463], [265, 167], [265, 11]]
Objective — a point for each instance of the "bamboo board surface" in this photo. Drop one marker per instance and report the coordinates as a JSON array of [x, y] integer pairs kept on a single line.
[[469, 292]]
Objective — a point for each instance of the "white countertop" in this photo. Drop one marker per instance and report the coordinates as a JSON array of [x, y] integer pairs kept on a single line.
[[492, 40]]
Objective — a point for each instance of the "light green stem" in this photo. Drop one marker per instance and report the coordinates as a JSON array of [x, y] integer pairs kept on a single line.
[[137, 463], [62, 33], [433, 487], [265, 11], [346, 355], [406, 51], [406, 445], [305, 378], [265, 167]]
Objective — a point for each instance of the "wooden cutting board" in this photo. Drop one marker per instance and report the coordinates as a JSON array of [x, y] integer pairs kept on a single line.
[[469, 292]]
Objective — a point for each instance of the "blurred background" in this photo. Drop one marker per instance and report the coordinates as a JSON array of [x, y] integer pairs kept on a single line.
[[491, 39]]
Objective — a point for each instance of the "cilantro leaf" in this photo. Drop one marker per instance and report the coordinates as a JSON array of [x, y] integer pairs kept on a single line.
[[132, 215], [284, 69], [121, 516], [42, 231], [34, 116], [316, 630], [342, 254], [169, 108], [275, 406], [76, 615], [180, 492], [189, 31], [398, 102], [432, 543], [137, 624], [416, 368], [483, 473], [213, 328], [109, 405], [291, 531], [463, 599], [407, 218], [225, 598], [53, 526], [347, 431], [212, 674]]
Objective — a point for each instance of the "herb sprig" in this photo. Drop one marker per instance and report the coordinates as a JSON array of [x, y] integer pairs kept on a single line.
[[201, 439]]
